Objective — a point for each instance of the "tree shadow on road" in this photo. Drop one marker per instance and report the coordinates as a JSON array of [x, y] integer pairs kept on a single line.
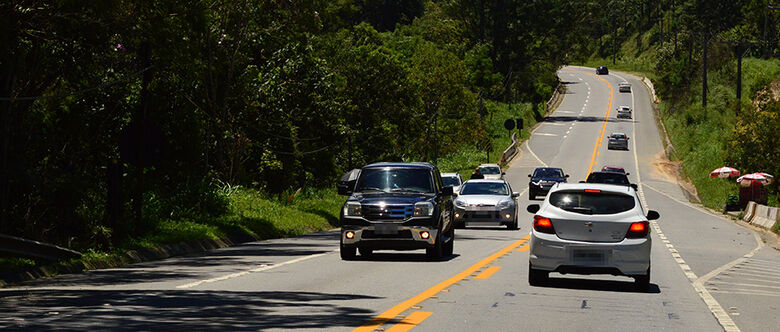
[[84, 310]]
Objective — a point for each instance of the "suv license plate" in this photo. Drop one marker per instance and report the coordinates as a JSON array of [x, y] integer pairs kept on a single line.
[[386, 229]]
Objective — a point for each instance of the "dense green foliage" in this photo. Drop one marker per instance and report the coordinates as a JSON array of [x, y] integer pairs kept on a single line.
[[269, 95], [738, 133]]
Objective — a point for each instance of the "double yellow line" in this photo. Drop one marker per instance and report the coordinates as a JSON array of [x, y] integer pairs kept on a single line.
[[403, 306]]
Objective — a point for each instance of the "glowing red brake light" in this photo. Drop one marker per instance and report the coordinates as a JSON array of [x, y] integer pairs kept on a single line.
[[592, 191], [543, 225], [638, 230]]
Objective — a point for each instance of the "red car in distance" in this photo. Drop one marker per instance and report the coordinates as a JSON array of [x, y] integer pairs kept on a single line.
[[614, 169]]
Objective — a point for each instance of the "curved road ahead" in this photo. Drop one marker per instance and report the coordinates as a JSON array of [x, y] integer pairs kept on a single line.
[[708, 273]]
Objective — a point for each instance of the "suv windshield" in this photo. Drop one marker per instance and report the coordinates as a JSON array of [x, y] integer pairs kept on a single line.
[[484, 188], [451, 181], [548, 173], [395, 179], [490, 170], [618, 136], [607, 177], [591, 203]]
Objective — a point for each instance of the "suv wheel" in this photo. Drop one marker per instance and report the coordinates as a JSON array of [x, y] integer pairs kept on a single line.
[[366, 252], [537, 277], [436, 252], [450, 245], [642, 282], [347, 252]]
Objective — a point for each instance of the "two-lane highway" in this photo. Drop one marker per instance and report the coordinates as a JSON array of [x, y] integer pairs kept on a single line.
[[707, 273]]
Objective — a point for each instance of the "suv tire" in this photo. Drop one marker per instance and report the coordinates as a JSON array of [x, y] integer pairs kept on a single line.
[[347, 252], [513, 225], [449, 246], [436, 252]]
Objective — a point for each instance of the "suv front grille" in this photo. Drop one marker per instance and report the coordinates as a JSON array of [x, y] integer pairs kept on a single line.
[[387, 212]]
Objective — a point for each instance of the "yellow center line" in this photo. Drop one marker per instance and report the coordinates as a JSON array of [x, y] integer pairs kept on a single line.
[[488, 272], [410, 322], [403, 306], [524, 248]]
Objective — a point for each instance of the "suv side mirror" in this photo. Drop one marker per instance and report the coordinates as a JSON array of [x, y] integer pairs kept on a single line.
[[582, 181], [533, 208], [446, 191], [627, 174], [344, 190], [633, 185], [566, 176], [529, 175], [653, 215], [515, 194], [503, 173]]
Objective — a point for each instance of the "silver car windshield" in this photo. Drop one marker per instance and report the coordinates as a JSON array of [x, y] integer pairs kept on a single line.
[[490, 170], [450, 181], [591, 203], [395, 179], [484, 188]]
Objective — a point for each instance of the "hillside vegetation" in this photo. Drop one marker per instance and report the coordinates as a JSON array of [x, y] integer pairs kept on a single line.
[[135, 123], [744, 133]]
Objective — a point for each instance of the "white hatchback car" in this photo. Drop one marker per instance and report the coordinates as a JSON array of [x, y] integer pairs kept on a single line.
[[590, 228]]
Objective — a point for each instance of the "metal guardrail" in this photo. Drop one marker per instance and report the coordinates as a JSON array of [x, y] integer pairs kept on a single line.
[[554, 98], [19, 247], [510, 152]]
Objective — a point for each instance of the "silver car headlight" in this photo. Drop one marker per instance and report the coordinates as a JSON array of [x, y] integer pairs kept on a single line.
[[353, 209], [461, 204], [504, 205], [422, 209]]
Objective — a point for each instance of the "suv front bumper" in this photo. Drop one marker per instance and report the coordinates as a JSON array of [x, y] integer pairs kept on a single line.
[[375, 236]]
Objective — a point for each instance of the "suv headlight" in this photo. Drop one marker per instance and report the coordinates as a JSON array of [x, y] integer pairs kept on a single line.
[[422, 209], [353, 209], [459, 203], [504, 204]]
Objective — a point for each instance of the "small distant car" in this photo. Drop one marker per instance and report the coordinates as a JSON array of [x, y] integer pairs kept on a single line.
[[624, 112], [491, 171], [585, 228], [614, 169], [453, 180], [542, 179], [602, 70], [486, 203], [618, 141], [615, 178], [624, 87]]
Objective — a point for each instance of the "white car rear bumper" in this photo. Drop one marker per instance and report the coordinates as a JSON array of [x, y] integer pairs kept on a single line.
[[550, 253]]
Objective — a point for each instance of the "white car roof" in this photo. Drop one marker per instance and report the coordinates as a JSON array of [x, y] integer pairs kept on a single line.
[[486, 181], [625, 107], [489, 165], [450, 174], [624, 134]]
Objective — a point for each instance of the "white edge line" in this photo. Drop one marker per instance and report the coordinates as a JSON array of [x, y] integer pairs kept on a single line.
[[261, 268], [717, 310]]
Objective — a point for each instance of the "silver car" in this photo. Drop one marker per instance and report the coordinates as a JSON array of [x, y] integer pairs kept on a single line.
[[617, 141], [486, 203], [491, 171], [624, 87], [624, 112], [453, 180], [588, 228]]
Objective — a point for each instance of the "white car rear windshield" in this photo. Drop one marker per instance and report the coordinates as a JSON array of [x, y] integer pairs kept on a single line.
[[450, 181], [591, 203], [490, 170]]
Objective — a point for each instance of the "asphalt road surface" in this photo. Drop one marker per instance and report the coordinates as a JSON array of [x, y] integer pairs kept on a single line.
[[708, 274]]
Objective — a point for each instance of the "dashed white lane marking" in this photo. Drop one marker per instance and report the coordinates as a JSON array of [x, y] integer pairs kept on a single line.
[[564, 112], [545, 134], [698, 283], [261, 268], [581, 79], [553, 124]]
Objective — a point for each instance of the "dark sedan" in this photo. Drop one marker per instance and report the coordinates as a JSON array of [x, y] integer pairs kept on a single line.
[[542, 179], [602, 70]]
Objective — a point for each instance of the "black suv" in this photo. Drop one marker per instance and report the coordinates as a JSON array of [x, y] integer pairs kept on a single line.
[[602, 70], [398, 206], [610, 178], [543, 179]]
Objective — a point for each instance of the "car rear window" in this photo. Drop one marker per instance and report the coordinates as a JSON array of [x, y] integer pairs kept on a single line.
[[615, 178], [592, 203], [490, 170], [548, 172]]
